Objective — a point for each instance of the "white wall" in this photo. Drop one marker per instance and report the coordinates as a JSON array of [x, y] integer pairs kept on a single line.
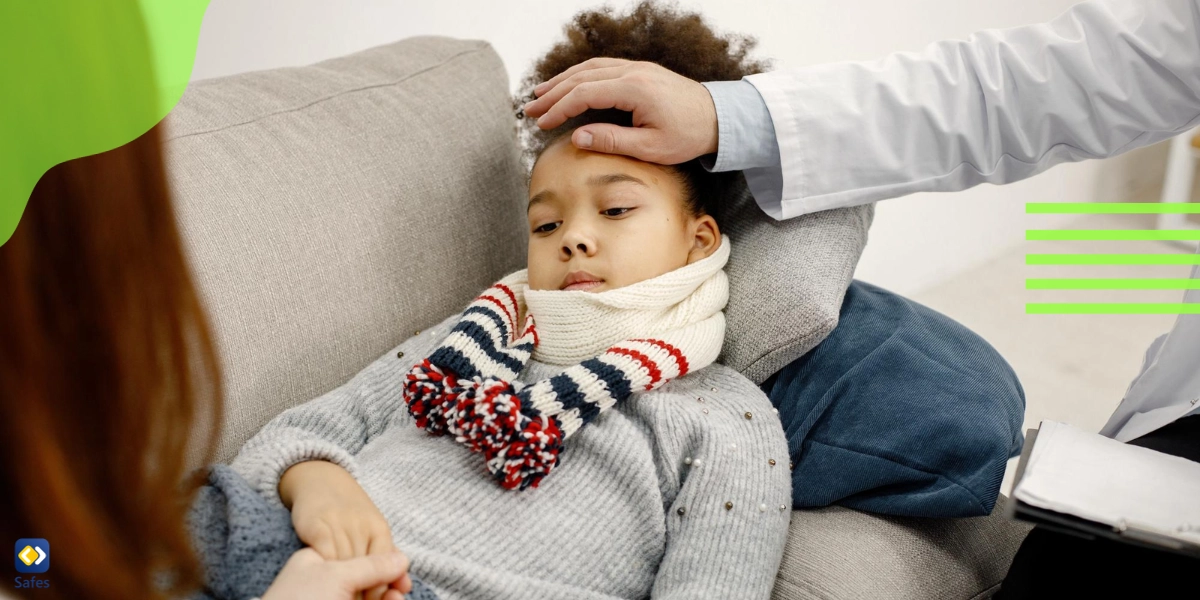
[[916, 242]]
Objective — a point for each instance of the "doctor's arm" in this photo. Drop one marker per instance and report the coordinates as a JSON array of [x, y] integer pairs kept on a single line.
[[1105, 77]]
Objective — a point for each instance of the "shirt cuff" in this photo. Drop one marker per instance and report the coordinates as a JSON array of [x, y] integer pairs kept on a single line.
[[745, 132]]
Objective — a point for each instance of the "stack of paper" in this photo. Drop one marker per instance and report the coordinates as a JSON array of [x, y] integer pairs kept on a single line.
[[1099, 479]]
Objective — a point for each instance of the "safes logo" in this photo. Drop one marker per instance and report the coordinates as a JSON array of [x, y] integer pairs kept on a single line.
[[32, 555]]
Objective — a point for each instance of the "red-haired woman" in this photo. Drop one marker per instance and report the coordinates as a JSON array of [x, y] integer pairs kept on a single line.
[[106, 365]]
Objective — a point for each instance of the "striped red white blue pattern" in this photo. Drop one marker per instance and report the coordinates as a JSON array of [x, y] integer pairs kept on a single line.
[[464, 389]]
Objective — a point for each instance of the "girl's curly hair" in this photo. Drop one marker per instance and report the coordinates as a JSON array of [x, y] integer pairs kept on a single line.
[[654, 32]]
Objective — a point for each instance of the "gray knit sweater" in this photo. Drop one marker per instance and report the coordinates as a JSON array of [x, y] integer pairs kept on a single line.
[[682, 492]]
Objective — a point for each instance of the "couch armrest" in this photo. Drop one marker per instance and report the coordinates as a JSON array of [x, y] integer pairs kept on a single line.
[[839, 553]]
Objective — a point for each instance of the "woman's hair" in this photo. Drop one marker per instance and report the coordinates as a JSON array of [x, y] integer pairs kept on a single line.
[[107, 363], [680, 41]]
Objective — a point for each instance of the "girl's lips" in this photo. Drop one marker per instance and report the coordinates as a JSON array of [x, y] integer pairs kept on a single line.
[[583, 286], [581, 281]]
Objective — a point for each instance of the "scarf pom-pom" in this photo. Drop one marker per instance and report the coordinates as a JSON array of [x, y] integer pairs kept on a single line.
[[531, 454], [427, 392], [485, 415]]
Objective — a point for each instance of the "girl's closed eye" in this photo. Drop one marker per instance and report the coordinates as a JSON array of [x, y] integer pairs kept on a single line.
[[616, 212]]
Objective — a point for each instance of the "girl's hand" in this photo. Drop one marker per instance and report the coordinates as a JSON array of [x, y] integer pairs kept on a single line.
[[307, 575], [333, 515]]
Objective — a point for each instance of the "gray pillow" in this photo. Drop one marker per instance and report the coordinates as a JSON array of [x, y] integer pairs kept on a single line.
[[786, 281]]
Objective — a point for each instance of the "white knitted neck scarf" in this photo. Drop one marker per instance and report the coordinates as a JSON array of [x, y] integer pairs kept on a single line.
[[616, 342]]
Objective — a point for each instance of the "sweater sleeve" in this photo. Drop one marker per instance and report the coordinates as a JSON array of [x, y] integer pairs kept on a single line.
[[337, 425], [727, 521]]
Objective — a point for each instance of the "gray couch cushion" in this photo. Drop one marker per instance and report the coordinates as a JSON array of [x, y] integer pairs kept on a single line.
[[331, 210], [843, 554]]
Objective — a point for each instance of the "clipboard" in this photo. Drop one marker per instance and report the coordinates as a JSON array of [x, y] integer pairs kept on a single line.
[[1087, 529]]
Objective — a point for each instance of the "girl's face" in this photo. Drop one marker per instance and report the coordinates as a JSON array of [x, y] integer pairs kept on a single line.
[[600, 221]]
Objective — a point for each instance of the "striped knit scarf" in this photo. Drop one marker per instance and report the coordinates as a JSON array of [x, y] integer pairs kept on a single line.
[[616, 342]]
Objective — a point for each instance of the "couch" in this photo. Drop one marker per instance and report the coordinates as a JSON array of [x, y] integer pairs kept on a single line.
[[331, 211]]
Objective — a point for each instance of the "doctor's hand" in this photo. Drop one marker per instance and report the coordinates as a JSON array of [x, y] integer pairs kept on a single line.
[[674, 119], [307, 575]]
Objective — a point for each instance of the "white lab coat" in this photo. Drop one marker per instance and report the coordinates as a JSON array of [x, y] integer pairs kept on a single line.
[[1168, 386], [1105, 77]]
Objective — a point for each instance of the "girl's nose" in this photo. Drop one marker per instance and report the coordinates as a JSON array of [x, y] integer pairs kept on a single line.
[[579, 247], [577, 242]]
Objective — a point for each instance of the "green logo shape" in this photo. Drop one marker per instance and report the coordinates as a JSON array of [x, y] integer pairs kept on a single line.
[[81, 77]]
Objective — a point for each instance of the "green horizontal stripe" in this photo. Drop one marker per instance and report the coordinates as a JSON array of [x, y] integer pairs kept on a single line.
[[1102, 308], [1112, 207], [1112, 284], [1112, 259], [1112, 235]]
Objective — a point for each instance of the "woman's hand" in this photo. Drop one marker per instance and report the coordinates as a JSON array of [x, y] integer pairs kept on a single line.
[[307, 575], [335, 516], [674, 118]]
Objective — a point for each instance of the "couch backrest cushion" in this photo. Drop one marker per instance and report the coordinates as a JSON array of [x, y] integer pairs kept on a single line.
[[786, 281], [331, 210]]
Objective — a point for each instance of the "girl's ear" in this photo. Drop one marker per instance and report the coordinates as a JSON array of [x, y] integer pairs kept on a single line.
[[706, 238]]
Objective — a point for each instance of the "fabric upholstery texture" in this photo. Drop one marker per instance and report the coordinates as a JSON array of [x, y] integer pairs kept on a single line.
[[332, 210], [786, 281], [900, 411], [837, 552]]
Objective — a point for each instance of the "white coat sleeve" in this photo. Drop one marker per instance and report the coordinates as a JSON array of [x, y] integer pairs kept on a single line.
[[1105, 77]]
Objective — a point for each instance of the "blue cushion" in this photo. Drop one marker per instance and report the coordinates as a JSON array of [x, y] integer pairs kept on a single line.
[[900, 411]]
